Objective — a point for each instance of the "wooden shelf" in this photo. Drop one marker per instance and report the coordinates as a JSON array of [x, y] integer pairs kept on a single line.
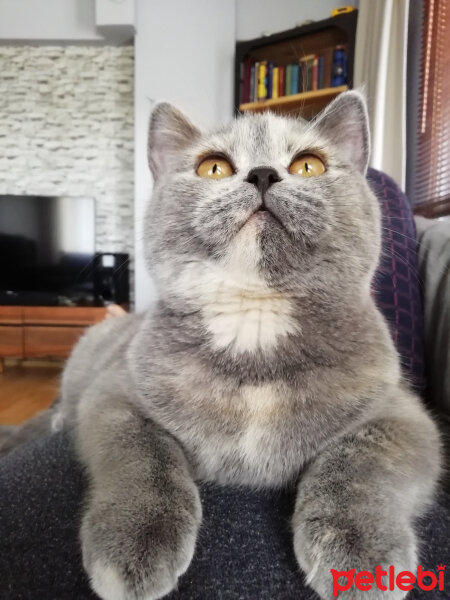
[[305, 101]]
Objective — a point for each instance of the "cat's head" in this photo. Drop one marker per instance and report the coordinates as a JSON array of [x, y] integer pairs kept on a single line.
[[268, 201]]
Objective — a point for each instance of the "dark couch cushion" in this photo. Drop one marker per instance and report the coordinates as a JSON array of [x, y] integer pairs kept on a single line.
[[396, 284], [244, 551]]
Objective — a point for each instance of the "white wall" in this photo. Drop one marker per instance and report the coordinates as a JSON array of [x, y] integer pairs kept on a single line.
[[258, 17], [184, 56], [56, 20], [66, 21]]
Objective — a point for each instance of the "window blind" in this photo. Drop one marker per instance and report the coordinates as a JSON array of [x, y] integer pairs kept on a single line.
[[430, 192]]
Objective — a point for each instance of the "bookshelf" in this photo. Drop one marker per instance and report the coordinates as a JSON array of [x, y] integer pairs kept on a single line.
[[316, 99], [319, 38]]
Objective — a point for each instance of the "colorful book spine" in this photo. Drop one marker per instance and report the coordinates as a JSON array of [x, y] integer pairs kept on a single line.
[[288, 80], [320, 85], [281, 81], [303, 68], [295, 70], [339, 67], [309, 66], [300, 77], [315, 73], [265, 79], [255, 89], [269, 79], [252, 83], [247, 78], [306, 63], [275, 81], [262, 89]]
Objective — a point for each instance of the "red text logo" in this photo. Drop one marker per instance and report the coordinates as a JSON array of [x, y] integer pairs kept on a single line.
[[387, 580]]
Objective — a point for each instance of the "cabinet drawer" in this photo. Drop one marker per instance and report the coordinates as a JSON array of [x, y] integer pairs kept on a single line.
[[50, 341], [62, 315], [10, 315], [11, 341]]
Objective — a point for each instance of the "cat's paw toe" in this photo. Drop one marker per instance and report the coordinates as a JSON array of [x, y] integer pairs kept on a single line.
[[324, 552], [128, 559], [107, 582], [110, 584]]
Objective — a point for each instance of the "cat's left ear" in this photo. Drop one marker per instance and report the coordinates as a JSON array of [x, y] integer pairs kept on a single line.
[[170, 133], [345, 123]]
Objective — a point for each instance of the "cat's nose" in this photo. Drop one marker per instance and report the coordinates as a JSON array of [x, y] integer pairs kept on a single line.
[[263, 177]]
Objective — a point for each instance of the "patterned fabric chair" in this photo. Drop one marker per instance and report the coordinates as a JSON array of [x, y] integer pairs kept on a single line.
[[396, 284]]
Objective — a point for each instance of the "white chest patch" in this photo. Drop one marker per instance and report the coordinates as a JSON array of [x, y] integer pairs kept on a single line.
[[239, 309], [247, 322]]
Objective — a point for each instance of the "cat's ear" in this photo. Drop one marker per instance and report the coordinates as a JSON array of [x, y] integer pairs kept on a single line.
[[170, 132], [345, 123]]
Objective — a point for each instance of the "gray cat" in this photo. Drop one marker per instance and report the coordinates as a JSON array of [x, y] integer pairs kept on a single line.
[[264, 362]]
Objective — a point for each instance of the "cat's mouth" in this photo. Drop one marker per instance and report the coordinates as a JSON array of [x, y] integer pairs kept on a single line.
[[263, 214], [260, 216]]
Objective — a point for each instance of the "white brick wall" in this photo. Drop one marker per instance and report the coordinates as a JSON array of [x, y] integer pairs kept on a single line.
[[66, 127]]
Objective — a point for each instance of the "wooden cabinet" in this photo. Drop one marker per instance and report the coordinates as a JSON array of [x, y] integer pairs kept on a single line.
[[43, 331], [50, 341], [11, 340], [11, 315], [62, 315]]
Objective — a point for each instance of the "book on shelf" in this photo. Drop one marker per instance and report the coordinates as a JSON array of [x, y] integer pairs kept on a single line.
[[315, 73], [275, 82], [306, 72], [281, 80], [295, 76], [247, 79], [262, 88], [251, 95], [267, 79], [255, 83], [320, 73], [288, 80]]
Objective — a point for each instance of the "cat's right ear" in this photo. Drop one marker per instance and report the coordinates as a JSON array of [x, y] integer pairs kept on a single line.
[[345, 122], [170, 132]]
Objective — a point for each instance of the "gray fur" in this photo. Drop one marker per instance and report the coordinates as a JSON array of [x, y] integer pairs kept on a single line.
[[264, 362]]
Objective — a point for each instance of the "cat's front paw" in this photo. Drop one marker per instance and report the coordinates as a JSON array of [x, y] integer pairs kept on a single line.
[[138, 554], [325, 544]]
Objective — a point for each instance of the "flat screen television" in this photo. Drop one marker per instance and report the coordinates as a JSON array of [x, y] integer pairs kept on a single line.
[[47, 250]]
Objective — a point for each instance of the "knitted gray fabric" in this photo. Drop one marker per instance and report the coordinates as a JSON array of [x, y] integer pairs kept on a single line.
[[244, 551]]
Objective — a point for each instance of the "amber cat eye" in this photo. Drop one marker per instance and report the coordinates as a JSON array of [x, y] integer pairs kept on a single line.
[[214, 167], [307, 165]]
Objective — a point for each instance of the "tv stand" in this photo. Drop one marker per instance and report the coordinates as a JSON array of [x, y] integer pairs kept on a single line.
[[43, 331]]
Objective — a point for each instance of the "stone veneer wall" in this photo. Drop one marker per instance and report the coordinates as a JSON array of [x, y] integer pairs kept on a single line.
[[66, 127]]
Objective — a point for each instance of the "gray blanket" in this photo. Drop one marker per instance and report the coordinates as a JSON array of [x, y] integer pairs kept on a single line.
[[434, 276]]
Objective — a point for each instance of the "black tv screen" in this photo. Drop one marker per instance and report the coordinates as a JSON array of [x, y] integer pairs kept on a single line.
[[47, 247]]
